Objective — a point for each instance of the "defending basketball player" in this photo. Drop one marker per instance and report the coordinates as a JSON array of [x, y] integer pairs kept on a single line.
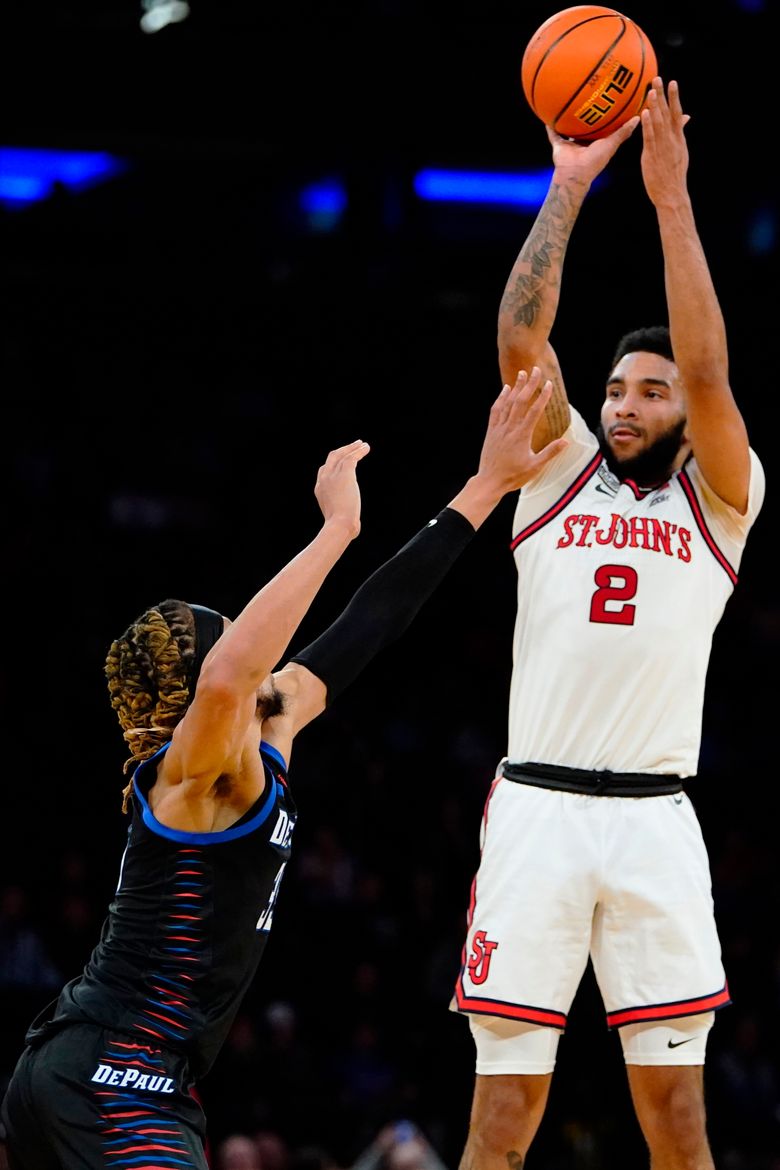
[[107, 1074], [627, 546]]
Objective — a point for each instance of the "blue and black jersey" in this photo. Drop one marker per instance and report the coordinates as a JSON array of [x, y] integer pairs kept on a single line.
[[187, 926]]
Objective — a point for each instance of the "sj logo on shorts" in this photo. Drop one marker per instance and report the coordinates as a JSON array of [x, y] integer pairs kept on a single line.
[[126, 1077], [479, 960]]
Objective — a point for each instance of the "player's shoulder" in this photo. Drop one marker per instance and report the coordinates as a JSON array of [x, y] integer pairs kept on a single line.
[[582, 446], [578, 429], [756, 488], [716, 511], [546, 492]]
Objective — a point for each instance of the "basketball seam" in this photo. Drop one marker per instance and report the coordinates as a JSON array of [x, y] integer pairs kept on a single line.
[[567, 32], [598, 65]]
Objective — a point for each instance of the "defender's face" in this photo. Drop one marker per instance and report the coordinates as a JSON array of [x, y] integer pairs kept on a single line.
[[644, 402]]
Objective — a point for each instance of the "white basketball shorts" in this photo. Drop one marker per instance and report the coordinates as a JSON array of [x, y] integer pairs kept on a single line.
[[563, 876]]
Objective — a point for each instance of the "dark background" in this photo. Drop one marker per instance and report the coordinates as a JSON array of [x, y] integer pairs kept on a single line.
[[181, 348]]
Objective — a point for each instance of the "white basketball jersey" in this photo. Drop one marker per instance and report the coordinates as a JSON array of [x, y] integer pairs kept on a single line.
[[619, 593]]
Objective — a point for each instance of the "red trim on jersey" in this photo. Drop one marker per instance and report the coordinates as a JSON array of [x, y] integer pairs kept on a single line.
[[151, 1031], [508, 1011], [147, 1146], [146, 1047], [669, 1011], [698, 516], [643, 493], [560, 504]]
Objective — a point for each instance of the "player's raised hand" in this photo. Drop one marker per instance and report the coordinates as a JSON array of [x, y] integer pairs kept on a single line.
[[336, 490], [664, 150], [588, 159], [508, 459]]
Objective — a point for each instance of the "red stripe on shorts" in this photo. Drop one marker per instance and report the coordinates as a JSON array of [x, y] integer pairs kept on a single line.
[[669, 1011], [508, 1011]]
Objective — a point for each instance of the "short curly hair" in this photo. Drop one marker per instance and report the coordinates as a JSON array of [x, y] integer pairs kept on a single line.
[[648, 339], [148, 670]]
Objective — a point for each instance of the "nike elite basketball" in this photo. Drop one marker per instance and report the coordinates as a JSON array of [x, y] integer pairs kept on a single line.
[[587, 70]]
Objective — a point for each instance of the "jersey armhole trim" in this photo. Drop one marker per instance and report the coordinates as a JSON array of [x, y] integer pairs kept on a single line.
[[222, 835], [274, 753], [575, 487], [701, 523]]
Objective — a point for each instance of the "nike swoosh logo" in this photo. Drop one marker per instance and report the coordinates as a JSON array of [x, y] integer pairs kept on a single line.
[[677, 1043], [606, 491]]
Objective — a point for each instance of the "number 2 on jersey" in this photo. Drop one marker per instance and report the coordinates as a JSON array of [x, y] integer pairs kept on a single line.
[[616, 583]]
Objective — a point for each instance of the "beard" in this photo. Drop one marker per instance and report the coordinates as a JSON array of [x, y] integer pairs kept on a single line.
[[270, 704], [650, 467]]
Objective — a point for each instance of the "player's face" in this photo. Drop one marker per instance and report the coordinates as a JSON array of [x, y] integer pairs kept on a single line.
[[644, 406]]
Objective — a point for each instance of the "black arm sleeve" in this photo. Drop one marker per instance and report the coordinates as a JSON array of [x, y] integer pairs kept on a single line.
[[385, 605]]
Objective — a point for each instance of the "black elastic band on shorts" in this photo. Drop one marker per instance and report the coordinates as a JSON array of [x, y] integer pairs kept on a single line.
[[387, 602], [591, 783]]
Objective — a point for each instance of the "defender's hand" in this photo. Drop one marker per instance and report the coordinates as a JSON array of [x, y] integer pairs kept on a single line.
[[507, 459], [336, 490]]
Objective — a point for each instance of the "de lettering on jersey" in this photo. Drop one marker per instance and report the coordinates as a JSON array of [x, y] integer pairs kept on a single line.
[[130, 1077], [644, 532], [283, 830], [281, 836]]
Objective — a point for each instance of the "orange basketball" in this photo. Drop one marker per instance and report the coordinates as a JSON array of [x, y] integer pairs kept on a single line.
[[587, 70]]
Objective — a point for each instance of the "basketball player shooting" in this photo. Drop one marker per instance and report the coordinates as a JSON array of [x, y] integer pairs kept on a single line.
[[627, 547]]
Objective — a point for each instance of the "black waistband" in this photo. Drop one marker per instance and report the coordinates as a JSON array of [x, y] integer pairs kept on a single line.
[[591, 783]]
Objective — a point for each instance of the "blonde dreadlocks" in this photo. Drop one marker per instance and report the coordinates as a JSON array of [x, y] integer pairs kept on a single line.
[[148, 670]]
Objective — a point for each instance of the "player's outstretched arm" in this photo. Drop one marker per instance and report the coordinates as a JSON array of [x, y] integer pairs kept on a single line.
[[508, 459], [715, 426], [205, 743], [530, 300], [388, 601]]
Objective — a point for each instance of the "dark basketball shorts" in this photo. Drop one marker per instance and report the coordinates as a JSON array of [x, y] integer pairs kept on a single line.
[[88, 1098]]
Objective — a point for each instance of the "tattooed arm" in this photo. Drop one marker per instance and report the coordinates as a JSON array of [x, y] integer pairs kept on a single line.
[[530, 300]]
